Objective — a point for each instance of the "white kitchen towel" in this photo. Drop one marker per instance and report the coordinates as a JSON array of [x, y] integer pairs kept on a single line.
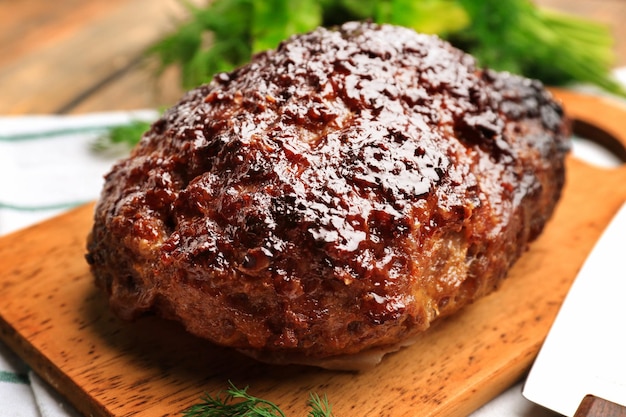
[[47, 163]]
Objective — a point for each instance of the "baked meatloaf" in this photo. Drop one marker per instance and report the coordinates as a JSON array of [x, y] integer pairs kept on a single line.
[[332, 198]]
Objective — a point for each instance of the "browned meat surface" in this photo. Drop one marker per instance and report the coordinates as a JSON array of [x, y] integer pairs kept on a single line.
[[334, 196]]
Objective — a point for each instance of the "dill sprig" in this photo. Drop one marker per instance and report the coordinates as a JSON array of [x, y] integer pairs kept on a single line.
[[236, 402], [121, 137], [320, 407], [522, 38]]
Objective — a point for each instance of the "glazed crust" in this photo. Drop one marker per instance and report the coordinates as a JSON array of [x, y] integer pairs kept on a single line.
[[335, 196]]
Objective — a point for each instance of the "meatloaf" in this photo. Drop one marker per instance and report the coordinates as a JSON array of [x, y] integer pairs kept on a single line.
[[332, 198]]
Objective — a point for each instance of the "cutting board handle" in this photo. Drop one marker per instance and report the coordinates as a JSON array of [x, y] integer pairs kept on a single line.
[[592, 406], [597, 118]]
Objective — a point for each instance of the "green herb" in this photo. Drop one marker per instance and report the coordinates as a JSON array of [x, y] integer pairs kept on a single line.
[[216, 38], [517, 36], [238, 403], [320, 407], [512, 35], [122, 137], [225, 34]]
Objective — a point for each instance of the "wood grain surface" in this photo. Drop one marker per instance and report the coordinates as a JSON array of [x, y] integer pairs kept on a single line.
[[55, 56], [76, 56], [54, 318]]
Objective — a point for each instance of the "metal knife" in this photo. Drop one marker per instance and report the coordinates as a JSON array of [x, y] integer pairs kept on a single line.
[[584, 354]]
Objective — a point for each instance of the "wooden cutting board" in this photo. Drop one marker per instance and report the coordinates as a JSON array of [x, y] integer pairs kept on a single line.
[[51, 315]]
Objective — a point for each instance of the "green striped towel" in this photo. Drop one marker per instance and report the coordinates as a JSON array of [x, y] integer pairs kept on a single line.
[[47, 164]]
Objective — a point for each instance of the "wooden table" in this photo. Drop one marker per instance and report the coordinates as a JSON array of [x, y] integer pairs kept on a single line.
[[76, 56]]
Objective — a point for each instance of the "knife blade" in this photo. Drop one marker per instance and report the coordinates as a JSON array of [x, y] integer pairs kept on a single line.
[[584, 354]]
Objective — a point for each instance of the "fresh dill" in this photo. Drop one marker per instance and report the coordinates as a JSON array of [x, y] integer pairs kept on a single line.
[[121, 137], [507, 35], [513, 35], [236, 402]]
